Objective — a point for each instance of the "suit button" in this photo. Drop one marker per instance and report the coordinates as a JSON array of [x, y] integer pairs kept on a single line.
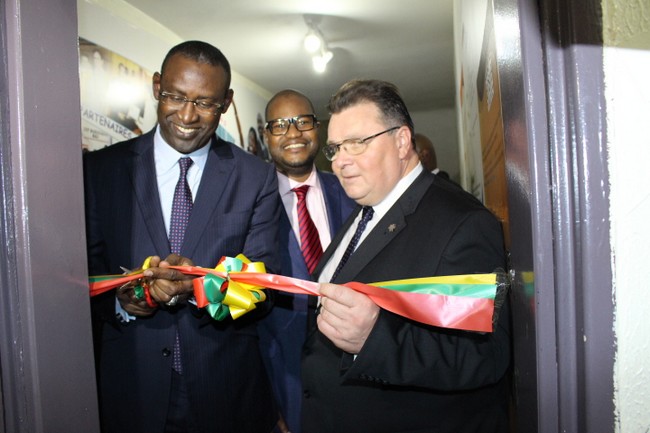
[[306, 393], [166, 352]]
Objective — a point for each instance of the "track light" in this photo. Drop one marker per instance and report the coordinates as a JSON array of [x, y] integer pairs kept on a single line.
[[316, 45], [313, 41], [319, 61]]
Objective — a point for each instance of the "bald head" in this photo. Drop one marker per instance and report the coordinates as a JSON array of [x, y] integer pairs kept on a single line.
[[426, 152], [294, 150], [287, 94]]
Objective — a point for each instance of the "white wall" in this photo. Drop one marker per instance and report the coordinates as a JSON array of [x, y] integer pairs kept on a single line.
[[469, 24], [626, 66], [440, 127]]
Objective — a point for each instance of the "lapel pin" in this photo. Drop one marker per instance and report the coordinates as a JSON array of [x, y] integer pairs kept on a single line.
[[392, 227]]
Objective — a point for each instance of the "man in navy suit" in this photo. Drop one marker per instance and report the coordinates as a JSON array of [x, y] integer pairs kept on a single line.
[[364, 368], [292, 135], [219, 383]]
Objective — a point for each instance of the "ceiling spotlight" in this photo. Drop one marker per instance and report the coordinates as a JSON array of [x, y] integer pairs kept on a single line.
[[313, 41], [319, 62], [316, 44]]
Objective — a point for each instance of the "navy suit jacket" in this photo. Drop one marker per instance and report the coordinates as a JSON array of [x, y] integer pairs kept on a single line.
[[236, 210], [409, 377], [283, 331]]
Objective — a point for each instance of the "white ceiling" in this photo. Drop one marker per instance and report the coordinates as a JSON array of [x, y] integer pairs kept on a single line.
[[407, 42]]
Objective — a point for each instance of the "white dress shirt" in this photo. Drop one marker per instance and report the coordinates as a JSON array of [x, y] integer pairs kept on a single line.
[[168, 170], [380, 209], [315, 205]]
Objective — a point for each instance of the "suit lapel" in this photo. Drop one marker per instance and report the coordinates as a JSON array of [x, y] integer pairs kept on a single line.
[[386, 230], [327, 254], [143, 179], [332, 203], [296, 261], [218, 168]]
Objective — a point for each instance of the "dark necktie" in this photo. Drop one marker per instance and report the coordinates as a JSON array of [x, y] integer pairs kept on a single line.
[[309, 239], [181, 207], [181, 210], [367, 213]]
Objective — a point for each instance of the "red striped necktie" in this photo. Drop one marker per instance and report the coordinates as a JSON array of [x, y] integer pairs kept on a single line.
[[309, 239]]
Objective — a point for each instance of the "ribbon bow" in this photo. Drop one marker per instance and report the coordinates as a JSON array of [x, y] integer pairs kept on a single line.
[[222, 296]]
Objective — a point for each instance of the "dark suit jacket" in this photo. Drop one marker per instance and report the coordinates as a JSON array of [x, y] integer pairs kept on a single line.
[[283, 331], [236, 210], [410, 377]]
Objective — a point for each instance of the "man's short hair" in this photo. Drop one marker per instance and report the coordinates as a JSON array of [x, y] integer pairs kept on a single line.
[[383, 94], [200, 52]]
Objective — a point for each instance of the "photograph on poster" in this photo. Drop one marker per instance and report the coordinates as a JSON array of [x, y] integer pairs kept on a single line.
[[116, 99]]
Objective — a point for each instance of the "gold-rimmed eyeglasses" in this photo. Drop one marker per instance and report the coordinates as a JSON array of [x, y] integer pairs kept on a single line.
[[203, 106], [304, 122], [353, 146]]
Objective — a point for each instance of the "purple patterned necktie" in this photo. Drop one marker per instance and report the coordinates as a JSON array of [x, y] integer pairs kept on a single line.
[[309, 240], [366, 216], [181, 210], [181, 207]]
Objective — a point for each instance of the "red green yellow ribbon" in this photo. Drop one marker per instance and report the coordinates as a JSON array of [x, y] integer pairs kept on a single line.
[[222, 296], [234, 287]]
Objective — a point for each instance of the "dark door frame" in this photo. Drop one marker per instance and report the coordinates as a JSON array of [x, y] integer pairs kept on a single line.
[[565, 343], [46, 356]]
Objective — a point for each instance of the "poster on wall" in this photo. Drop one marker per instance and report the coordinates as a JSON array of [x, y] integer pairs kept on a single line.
[[495, 194], [116, 98], [117, 101], [472, 171]]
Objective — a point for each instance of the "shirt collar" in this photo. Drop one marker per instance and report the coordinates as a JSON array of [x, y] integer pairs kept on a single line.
[[285, 184], [166, 156], [402, 185]]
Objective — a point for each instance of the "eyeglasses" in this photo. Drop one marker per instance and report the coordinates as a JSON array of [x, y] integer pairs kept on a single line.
[[202, 105], [304, 122], [353, 146]]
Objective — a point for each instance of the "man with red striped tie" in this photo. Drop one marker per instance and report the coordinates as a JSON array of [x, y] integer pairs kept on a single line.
[[315, 206]]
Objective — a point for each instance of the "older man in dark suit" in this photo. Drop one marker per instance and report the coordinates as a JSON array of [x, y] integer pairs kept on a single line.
[[366, 369], [164, 365]]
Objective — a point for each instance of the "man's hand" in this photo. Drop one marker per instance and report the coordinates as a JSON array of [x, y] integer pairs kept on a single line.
[[131, 303], [346, 316], [169, 286]]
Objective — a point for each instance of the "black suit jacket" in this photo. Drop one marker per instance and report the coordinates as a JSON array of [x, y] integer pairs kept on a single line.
[[410, 377], [236, 210]]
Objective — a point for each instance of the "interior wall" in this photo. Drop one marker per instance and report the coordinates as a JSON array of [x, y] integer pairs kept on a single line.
[[626, 65], [440, 126], [469, 22]]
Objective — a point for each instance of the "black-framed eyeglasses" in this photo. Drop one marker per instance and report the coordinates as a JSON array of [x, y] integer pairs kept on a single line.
[[353, 146], [204, 106], [303, 122]]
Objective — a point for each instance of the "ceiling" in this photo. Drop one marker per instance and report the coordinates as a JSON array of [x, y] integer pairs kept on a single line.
[[408, 42]]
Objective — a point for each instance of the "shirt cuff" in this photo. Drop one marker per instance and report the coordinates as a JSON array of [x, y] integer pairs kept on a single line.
[[121, 313]]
